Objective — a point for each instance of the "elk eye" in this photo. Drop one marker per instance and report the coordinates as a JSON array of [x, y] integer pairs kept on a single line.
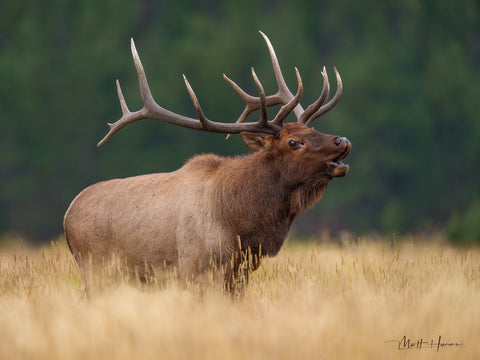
[[294, 144]]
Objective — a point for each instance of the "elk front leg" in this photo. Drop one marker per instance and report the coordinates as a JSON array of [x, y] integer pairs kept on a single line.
[[237, 270]]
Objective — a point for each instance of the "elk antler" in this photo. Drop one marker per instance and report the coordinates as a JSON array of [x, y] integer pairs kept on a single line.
[[151, 110], [284, 95]]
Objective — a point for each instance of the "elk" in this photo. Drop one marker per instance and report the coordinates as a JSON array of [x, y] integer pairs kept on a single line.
[[213, 208]]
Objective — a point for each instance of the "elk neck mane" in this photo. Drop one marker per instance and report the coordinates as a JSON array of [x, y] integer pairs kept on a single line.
[[255, 196]]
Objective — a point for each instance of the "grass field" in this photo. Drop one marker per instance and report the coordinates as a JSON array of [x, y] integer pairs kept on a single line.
[[360, 300]]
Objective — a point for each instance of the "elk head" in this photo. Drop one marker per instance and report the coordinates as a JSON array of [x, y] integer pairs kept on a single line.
[[303, 151]]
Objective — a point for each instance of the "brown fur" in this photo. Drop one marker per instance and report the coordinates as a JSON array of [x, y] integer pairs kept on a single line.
[[197, 213]]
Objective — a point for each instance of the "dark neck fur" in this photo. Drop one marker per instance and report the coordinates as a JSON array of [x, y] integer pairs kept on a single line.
[[257, 203]]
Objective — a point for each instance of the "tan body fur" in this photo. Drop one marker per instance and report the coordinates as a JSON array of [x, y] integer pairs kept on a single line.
[[190, 216], [158, 218]]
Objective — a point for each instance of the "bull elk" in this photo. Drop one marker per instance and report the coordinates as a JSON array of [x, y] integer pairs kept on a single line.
[[213, 207]]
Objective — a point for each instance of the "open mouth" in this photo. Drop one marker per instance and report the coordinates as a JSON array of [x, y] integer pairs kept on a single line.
[[337, 167], [338, 160]]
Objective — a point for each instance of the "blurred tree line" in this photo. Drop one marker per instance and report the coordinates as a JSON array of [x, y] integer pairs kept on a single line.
[[410, 105]]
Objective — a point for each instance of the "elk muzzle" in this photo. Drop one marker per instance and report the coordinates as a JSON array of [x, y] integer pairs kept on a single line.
[[336, 167]]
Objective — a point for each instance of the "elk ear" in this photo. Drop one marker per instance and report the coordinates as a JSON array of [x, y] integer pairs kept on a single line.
[[256, 142]]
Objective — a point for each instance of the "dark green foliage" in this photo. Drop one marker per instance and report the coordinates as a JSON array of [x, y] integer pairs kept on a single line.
[[411, 79], [463, 228]]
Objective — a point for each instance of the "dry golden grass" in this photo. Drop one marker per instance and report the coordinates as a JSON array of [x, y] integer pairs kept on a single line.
[[312, 301]]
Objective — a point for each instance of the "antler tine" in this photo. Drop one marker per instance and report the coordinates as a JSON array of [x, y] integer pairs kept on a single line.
[[123, 104], [287, 109], [142, 78], [114, 127], [329, 106], [252, 103], [201, 116], [276, 66], [320, 101], [263, 107], [284, 92]]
